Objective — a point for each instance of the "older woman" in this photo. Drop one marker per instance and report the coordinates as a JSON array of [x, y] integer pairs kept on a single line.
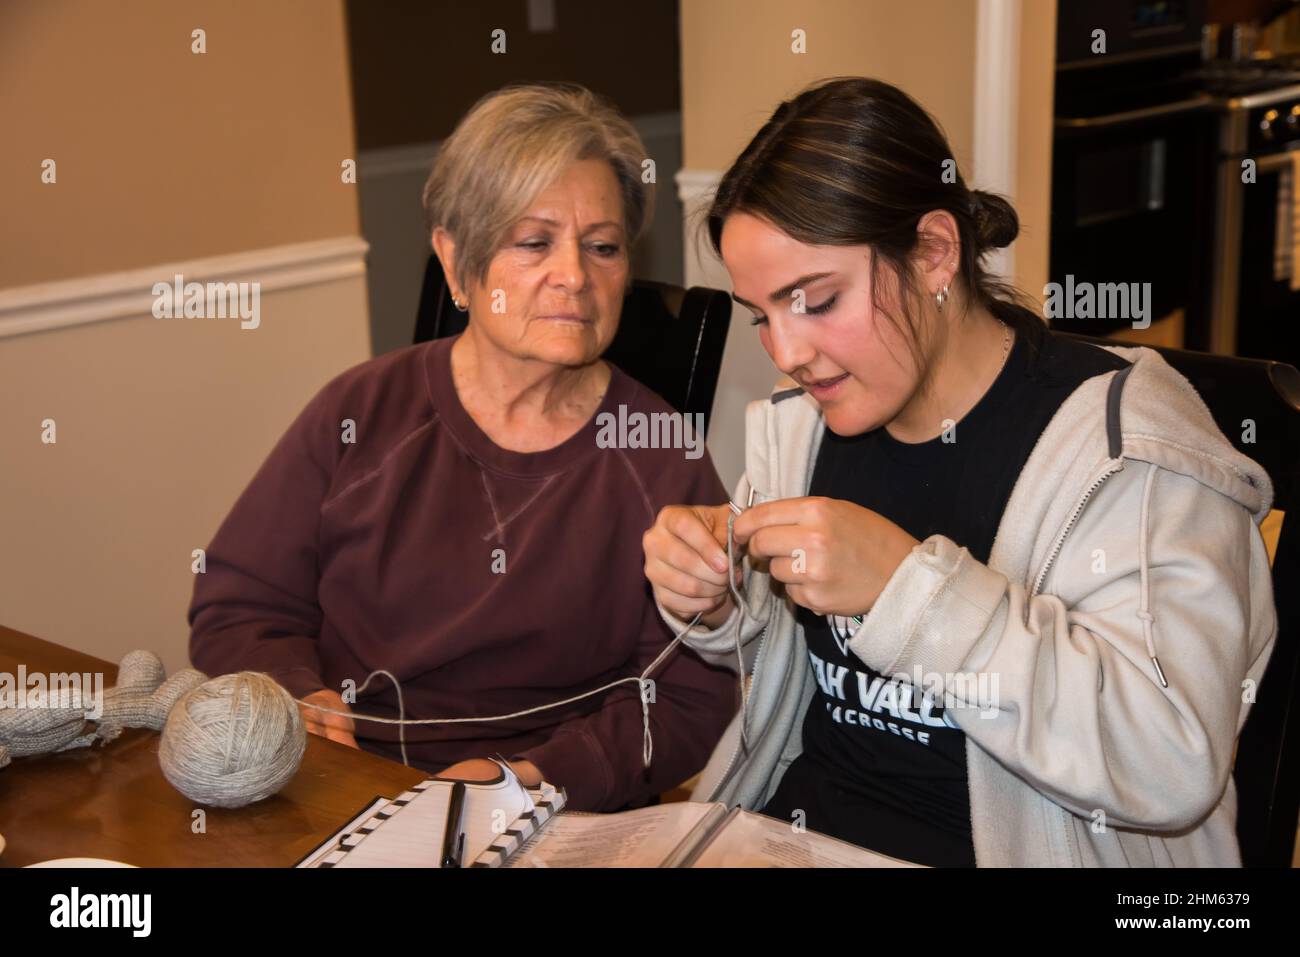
[[445, 513]]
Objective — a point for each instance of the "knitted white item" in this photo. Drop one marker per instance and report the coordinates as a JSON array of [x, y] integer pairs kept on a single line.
[[65, 718]]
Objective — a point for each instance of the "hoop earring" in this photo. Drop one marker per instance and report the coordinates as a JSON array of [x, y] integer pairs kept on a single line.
[[941, 297], [459, 305]]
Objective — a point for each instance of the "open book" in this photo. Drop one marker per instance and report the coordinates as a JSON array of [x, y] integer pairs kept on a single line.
[[687, 834]]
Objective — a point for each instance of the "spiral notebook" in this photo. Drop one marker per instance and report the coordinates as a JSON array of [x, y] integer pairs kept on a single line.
[[407, 831]]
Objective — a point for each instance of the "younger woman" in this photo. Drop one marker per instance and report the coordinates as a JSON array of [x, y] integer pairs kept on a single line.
[[1003, 588]]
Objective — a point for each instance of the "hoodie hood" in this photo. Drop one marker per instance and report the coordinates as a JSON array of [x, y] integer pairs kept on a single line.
[[1163, 420]]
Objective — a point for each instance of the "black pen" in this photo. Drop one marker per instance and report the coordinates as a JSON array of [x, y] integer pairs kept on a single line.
[[453, 837]]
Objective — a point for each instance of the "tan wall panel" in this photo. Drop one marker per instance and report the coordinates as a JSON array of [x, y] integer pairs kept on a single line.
[[163, 154], [737, 64]]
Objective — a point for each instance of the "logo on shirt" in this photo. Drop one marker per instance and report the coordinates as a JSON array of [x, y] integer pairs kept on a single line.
[[878, 702], [905, 705], [842, 629]]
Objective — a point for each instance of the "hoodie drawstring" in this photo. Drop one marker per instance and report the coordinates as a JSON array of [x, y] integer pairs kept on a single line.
[[1144, 599]]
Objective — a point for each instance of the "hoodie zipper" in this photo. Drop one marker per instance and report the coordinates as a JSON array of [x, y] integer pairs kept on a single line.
[[1115, 466]]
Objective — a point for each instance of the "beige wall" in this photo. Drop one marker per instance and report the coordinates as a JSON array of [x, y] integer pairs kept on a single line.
[[737, 64], [163, 156]]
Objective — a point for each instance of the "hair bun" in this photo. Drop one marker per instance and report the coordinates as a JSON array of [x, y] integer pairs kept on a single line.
[[996, 221]]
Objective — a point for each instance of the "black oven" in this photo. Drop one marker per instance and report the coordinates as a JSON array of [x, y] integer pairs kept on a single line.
[[1133, 168]]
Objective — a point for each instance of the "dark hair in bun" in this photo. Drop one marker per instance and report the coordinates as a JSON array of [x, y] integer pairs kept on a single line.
[[853, 161], [996, 223]]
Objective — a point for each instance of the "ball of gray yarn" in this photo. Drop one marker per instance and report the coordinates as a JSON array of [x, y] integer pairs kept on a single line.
[[233, 740]]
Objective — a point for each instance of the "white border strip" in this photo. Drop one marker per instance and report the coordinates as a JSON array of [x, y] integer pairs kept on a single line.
[[119, 295], [695, 190], [997, 99]]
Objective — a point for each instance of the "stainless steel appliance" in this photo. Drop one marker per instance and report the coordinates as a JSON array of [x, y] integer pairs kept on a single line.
[[1255, 295], [1148, 184]]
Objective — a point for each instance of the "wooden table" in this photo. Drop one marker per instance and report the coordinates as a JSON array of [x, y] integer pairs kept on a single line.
[[112, 801]]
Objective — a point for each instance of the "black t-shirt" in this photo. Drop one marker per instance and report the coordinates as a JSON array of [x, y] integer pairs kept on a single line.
[[882, 767]]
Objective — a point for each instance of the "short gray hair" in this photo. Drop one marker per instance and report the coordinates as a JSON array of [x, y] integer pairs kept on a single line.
[[511, 146]]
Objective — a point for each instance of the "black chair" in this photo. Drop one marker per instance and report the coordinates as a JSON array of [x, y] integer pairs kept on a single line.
[[1267, 769], [669, 339]]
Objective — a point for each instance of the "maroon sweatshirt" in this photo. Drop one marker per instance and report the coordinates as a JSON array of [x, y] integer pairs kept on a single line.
[[488, 581]]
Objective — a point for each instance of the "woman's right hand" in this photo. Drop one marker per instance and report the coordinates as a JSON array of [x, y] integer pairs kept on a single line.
[[336, 727], [686, 562]]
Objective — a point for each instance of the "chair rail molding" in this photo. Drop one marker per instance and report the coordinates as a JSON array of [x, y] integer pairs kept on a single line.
[[129, 293]]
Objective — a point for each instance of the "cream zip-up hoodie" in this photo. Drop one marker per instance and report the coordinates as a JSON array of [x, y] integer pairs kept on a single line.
[[1121, 625]]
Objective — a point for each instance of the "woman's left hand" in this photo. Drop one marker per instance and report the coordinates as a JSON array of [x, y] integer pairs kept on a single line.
[[484, 769], [834, 557]]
